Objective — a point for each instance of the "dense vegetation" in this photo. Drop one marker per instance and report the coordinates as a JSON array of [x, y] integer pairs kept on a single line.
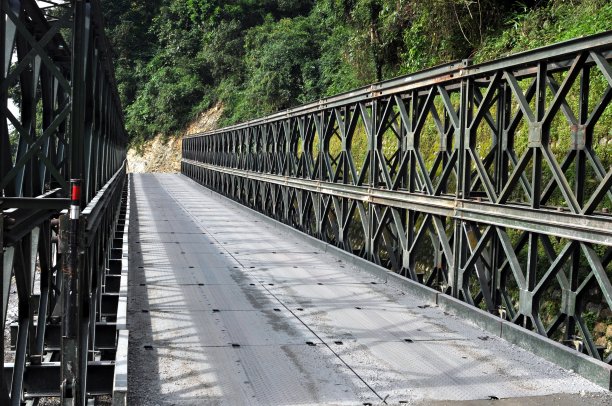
[[175, 58]]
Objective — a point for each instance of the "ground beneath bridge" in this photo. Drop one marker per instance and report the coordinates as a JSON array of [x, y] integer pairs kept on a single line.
[[224, 308]]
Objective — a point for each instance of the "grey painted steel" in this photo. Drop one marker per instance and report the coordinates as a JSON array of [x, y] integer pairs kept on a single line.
[[491, 183], [56, 71], [120, 381], [564, 225], [227, 308]]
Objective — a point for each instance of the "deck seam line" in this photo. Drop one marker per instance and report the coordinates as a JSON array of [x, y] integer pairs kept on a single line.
[[384, 400]]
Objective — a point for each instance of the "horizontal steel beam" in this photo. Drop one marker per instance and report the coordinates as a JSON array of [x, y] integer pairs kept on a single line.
[[44, 380], [593, 229], [33, 203], [106, 336], [107, 195]]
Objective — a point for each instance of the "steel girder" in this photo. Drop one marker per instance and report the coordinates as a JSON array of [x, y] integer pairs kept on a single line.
[[491, 183], [60, 119]]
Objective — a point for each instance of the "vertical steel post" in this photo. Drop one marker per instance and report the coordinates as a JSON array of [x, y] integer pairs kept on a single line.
[[458, 238], [71, 393], [79, 58], [372, 181], [537, 137], [501, 178], [70, 362], [581, 141], [5, 143]]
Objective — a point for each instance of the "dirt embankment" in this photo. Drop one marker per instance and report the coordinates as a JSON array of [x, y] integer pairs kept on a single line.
[[162, 154]]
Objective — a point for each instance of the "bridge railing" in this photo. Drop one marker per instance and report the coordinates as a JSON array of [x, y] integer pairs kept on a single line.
[[491, 183], [60, 120]]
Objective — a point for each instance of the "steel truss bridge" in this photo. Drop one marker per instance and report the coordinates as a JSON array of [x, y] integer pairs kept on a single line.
[[489, 183], [61, 125], [484, 190]]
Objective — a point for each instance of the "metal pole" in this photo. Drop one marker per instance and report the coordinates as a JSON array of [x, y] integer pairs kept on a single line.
[[70, 312]]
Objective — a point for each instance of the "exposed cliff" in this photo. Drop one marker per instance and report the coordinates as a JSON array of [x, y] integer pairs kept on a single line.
[[163, 154]]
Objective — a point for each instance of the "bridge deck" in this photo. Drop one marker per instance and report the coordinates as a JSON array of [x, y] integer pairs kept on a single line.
[[225, 308]]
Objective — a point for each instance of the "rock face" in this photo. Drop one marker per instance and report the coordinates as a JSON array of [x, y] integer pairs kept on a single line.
[[156, 155], [162, 154], [206, 121]]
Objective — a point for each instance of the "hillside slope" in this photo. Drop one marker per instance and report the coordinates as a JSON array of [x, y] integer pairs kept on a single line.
[[176, 58], [163, 154]]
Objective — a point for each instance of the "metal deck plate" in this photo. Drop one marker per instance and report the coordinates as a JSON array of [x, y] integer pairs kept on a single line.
[[225, 309]]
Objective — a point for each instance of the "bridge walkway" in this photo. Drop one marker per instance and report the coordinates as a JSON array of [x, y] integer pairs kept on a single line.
[[224, 308]]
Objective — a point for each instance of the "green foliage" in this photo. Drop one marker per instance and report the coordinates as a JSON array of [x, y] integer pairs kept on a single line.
[[173, 96], [445, 30], [222, 49], [13, 142], [342, 65], [170, 82], [561, 20], [281, 67], [338, 61], [176, 57], [127, 27], [249, 12]]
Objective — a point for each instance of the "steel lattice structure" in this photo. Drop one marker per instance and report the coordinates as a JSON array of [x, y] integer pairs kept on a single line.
[[60, 119], [491, 183]]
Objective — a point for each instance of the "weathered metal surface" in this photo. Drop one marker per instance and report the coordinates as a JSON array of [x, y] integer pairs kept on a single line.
[[225, 308], [491, 183], [60, 120]]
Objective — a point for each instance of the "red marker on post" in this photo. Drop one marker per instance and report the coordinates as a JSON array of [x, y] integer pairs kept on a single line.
[[75, 199]]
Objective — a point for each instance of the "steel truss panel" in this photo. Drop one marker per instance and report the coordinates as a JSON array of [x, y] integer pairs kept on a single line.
[[60, 119], [491, 183]]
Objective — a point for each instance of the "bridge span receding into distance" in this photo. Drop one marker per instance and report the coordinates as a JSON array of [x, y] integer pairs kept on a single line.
[[229, 307], [441, 236]]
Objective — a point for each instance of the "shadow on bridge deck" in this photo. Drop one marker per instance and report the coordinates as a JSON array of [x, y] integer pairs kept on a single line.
[[226, 309]]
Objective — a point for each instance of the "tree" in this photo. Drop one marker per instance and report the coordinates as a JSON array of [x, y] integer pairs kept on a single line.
[[281, 66]]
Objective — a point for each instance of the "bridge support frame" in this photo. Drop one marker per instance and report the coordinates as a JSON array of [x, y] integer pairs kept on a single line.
[[69, 125], [486, 182]]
